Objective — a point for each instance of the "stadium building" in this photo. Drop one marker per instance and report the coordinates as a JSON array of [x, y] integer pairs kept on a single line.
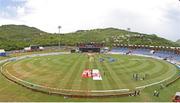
[[90, 47]]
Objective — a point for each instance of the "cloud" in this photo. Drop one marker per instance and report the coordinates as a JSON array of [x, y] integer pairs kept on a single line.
[[148, 16], [10, 8]]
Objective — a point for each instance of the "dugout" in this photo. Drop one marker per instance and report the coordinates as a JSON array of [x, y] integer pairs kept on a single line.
[[34, 48]]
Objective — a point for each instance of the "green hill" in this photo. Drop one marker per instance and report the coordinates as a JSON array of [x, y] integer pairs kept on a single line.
[[19, 36], [112, 36], [178, 41]]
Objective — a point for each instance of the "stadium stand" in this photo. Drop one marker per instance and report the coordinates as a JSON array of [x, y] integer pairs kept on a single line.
[[162, 54], [90, 47]]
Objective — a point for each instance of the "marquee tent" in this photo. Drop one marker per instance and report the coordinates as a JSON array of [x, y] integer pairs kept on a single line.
[[2, 52]]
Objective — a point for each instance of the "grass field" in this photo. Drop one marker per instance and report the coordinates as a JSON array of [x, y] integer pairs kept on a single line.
[[64, 71]]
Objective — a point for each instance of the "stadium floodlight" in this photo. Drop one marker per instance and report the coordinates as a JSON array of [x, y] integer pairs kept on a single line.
[[128, 29], [59, 27]]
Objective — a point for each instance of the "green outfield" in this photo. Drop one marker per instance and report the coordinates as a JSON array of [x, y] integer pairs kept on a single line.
[[64, 72]]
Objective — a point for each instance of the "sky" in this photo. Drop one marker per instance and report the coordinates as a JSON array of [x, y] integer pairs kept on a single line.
[[161, 17]]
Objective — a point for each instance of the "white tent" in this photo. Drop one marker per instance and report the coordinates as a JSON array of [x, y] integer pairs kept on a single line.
[[152, 51], [2, 52], [27, 48], [41, 48]]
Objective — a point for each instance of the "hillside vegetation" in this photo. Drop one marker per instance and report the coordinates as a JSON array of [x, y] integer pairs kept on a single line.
[[178, 41], [13, 37]]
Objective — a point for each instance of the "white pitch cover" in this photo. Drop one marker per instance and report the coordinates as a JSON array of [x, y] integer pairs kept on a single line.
[[96, 74]]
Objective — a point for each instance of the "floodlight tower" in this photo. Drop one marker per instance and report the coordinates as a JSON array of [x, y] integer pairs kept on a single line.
[[128, 29], [59, 27]]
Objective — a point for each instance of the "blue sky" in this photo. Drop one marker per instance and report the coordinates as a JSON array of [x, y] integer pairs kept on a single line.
[[8, 8], [160, 17]]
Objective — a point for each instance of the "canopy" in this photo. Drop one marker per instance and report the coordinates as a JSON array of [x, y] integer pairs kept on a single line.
[[2, 52]]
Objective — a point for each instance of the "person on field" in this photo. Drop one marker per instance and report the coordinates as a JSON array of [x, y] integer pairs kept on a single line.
[[138, 92], [136, 77], [161, 86], [157, 94], [135, 92], [133, 76], [91, 73], [154, 94]]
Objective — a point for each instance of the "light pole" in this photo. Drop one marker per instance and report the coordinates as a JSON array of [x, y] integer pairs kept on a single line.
[[59, 27], [128, 29]]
